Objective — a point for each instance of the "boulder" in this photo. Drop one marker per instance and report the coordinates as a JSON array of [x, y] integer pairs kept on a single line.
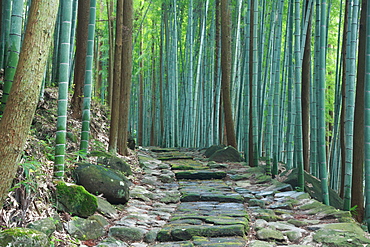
[[312, 187], [100, 180], [85, 229], [46, 225], [226, 154], [212, 149], [23, 237], [111, 161], [117, 164], [75, 199]]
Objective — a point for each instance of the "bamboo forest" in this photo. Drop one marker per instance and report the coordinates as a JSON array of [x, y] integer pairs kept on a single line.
[[286, 83]]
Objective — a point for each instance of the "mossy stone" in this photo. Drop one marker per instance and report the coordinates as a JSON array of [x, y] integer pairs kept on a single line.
[[101, 180], [85, 229], [228, 241], [269, 234], [127, 233], [23, 237], [117, 164], [226, 154], [331, 237], [187, 232], [262, 178], [46, 225], [212, 149], [75, 199], [313, 187], [201, 174]]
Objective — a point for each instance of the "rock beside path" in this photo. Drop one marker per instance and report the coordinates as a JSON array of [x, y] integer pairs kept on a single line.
[[101, 180], [227, 154], [75, 200]]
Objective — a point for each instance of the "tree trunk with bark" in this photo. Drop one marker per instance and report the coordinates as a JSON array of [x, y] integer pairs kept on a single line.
[[359, 123], [24, 95], [80, 65], [126, 76], [226, 71]]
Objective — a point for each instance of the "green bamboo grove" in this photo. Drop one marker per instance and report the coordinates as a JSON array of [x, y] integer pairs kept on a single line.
[[279, 80]]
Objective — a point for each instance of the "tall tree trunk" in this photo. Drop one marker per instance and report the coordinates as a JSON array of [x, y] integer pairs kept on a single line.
[[63, 82], [358, 131], [306, 85], [321, 104], [226, 71], [14, 127], [153, 136], [80, 65], [85, 131], [117, 80], [343, 112], [350, 102], [13, 47], [141, 89], [126, 76], [367, 119], [111, 51], [251, 146]]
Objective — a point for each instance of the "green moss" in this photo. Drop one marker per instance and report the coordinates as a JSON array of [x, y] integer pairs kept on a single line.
[[312, 205], [23, 237], [262, 178], [187, 232], [75, 199]]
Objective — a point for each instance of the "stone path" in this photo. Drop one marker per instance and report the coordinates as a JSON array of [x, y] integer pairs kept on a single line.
[[185, 201]]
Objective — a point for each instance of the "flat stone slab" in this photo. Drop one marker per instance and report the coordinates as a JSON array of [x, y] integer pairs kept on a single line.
[[187, 232], [219, 242], [200, 174], [206, 219], [199, 209], [213, 190], [187, 164]]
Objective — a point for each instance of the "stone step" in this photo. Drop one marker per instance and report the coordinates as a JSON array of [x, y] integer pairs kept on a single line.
[[208, 190], [200, 174]]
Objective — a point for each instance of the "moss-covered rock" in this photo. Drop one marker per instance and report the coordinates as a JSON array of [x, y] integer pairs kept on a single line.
[[46, 225], [85, 229], [127, 233], [187, 232], [228, 241], [23, 237], [212, 149], [269, 234], [331, 237], [186, 164], [75, 199], [100, 180], [200, 174], [106, 209], [226, 154], [117, 164], [313, 187]]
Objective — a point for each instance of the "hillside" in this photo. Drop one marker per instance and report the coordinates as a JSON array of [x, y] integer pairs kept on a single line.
[[30, 198]]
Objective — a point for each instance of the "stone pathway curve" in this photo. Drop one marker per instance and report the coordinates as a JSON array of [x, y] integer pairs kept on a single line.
[[184, 200]]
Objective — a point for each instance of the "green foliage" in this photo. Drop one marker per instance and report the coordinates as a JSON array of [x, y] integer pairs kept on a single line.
[[30, 175], [353, 210]]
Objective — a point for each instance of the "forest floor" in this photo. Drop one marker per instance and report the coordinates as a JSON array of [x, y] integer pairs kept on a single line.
[[178, 198]]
